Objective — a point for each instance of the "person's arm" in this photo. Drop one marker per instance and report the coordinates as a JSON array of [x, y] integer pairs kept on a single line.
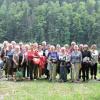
[[48, 57], [22, 60], [80, 56]]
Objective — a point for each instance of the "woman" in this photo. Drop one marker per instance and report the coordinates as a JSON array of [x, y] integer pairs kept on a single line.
[[76, 58], [18, 59], [63, 68], [3, 56], [52, 60], [68, 63], [36, 60], [94, 54], [32, 57], [42, 61], [9, 61], [86, 58]]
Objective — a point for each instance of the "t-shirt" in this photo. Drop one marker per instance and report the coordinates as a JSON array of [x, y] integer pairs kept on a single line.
[[76, 57], [53, 56]]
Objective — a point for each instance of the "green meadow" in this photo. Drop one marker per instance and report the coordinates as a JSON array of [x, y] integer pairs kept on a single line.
[[44, 90]]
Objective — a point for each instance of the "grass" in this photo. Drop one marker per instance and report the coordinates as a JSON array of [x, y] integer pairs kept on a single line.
[[44, 90]]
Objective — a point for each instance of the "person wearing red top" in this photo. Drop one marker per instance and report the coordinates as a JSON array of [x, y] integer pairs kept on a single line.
[[32, 60]]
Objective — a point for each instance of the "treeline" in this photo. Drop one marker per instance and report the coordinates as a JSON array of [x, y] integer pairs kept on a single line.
[[56, 21]]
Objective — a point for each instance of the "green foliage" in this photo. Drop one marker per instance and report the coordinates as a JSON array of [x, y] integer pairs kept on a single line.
[[56, 21]]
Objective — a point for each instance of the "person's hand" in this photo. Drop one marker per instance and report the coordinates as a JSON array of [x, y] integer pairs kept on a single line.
[[49, 61], [17, 64], [21, 64]]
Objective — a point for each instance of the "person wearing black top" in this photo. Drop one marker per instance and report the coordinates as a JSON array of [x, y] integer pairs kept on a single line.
[[86, 57]]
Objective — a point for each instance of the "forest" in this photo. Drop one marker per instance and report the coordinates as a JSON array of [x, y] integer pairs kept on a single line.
[[55, 21]]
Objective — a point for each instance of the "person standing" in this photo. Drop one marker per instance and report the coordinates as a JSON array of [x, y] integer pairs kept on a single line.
[[86, 58], [63, 62], [76, 58], [9, 61], [52, 60], [94, 54]]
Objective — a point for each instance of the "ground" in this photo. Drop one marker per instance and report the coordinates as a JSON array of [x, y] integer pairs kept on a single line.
[[44, 90]]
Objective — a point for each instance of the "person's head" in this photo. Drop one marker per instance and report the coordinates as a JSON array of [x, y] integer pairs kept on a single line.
[[73, 43], [26, 47], [13, 43], [31, 47], [66, 46], [63, 50], [5, 44], [76, 48], [81, 47], [20, 44], [48, 47], [10, 47], [85, 47], [52, 48], [17, 48], [35, 45], [94, 47], [40, 47], [44, 44], [58, 47]]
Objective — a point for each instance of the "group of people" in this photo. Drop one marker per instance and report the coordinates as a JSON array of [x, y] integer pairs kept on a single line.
[[33, 61]]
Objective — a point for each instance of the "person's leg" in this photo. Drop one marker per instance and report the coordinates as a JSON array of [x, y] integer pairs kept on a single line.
[[40, 72], [28, 71], [95, 70], [80, 71], [61, 73], [24, 69], [83, 71], [54, 72], [78, 66], [46, 71], [31, 66], [65, 74], [73, 72], [0, 73], [5, 69], [50, 71], [87, 71], [14, 74], [91, 71], [9, 70], [58, 67], [35, 71]]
